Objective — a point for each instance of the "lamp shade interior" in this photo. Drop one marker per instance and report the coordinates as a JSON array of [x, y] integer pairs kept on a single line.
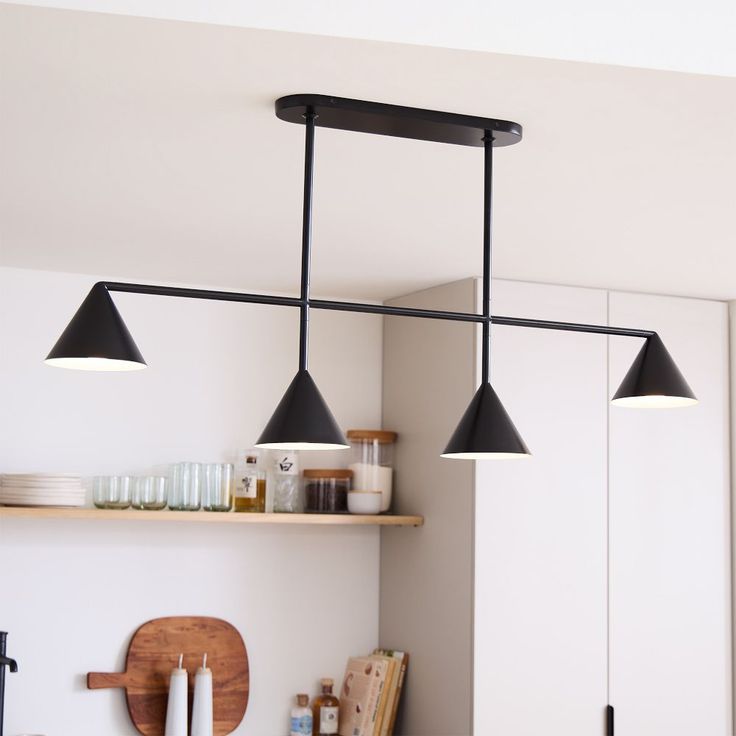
[[654, 381], [96, 339]]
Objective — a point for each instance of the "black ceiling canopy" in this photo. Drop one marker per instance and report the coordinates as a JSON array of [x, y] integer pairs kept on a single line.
[[360, 116]]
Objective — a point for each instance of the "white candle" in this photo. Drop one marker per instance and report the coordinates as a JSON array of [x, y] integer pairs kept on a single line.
[[177, 706], [202, 706]]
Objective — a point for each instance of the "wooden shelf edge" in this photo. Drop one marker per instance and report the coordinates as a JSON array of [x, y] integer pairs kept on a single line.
[[208, 517]]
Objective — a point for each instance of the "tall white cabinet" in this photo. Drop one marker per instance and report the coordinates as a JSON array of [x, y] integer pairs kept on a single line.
[[670, 550], [512, 573], [540, 556]]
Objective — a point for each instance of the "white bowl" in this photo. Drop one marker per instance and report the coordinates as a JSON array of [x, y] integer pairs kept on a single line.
[[364, 502]]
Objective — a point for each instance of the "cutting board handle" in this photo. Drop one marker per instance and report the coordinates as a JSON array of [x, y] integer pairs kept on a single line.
[[99, 680]]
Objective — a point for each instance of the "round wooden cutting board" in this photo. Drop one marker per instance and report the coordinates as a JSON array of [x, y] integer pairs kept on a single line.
[[154, 651]]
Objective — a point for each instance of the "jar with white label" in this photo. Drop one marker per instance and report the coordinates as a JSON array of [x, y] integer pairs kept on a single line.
[[372, 462], [250, 484], [326, 710], [284, 477]]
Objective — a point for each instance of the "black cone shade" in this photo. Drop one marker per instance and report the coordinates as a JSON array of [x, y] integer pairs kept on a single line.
[[96, 339], [302, 420], [654, 381], [485, 431]]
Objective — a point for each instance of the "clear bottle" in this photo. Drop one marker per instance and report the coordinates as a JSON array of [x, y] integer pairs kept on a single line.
[[287, 497], [301, 717], [250, 485], [325, 710]]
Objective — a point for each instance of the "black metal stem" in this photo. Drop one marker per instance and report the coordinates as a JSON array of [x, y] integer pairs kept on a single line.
[[12, 665], [306, 239], [339, 306], [487, 244], [3, 640]]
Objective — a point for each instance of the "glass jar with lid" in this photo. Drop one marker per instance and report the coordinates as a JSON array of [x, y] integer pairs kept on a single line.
[[372, 461], [326, 491]]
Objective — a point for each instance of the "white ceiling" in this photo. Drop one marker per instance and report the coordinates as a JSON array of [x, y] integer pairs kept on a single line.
[[149, 149], [678, 35]]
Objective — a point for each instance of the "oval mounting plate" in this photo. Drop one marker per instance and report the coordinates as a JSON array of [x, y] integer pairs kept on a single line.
[[404, 122]]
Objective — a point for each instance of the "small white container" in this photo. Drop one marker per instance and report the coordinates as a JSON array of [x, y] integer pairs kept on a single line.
[[364, 502]]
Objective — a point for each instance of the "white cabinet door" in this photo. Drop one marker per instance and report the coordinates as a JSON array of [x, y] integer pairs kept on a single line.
[[669, 495], [540, 531]]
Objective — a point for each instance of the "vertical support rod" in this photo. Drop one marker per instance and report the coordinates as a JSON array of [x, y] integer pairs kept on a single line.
[[609, 720], [487, 242], [306, 239], [3, 639]]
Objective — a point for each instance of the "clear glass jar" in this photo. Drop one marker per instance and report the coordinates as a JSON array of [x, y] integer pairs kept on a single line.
[[372, 461], [150, 492], [185, 492], [217, 488], [284, 477], [112, 491], [326, 491]]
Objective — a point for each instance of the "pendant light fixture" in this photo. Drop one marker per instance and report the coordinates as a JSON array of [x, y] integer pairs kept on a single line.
[[485, 430], [97, 338], [654, 381], [302, 420]]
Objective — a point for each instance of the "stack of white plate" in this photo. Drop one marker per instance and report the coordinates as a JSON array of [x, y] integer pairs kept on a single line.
[[41, 489]]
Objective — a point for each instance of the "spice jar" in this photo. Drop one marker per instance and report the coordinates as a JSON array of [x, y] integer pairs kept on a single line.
[[326, 491], [372, 460]]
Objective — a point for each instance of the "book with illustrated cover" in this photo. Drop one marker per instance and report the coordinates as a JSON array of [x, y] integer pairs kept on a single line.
[[360, 695]]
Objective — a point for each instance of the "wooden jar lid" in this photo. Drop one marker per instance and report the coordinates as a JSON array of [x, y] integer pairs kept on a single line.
[[383, 436], [327, 473]]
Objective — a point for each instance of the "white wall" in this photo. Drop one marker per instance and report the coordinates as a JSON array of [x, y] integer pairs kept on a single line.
[[73, 592], [427, 576]]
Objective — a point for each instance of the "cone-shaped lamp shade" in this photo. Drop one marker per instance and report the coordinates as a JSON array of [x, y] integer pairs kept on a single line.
[[96, 339], [654, 381], [485, 431], [302, 420]]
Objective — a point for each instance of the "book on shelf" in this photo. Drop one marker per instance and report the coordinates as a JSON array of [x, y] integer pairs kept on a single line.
[[402, 661], [370, 692]]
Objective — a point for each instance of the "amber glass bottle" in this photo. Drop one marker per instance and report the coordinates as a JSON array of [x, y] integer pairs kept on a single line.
[[325, 711], [250, 487]]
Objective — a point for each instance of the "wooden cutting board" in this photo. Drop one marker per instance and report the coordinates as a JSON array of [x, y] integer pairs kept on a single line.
[[154, 651]]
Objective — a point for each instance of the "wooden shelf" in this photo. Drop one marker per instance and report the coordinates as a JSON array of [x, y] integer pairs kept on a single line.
[[208, 517]]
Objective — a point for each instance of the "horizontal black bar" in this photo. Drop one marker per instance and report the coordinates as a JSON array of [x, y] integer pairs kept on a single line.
[[339, 306], [543, 324], [396, 311], [361, 116], [223, 296]]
